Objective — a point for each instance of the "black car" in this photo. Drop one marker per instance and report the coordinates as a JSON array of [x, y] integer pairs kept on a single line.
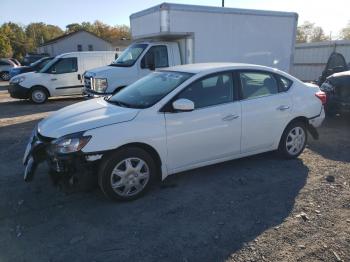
[[337, 88], [36, 66]]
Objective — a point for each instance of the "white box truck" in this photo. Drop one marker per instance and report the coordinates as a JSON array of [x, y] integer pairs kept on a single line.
[[172, 34]]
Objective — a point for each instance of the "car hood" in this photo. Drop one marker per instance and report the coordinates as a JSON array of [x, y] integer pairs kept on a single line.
[[84, 116], [105, 71]]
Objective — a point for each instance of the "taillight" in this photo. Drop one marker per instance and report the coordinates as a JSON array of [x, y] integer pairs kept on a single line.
[[322, 96]]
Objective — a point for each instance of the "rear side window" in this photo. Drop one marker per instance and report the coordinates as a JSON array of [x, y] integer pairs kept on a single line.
[[285, 83], [65, 65], [257, 84]]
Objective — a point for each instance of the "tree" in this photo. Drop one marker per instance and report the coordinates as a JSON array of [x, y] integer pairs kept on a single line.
[[345, 32], [5, 46], [308, 32]]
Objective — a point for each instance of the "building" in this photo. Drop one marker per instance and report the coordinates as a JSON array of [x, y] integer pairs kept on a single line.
[[310, 59], [77, 41], [121, 45]]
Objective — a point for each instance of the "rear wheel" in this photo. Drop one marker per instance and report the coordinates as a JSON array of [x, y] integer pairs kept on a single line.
[[38, 95], [5, 76], [293, 140], [126, 174]]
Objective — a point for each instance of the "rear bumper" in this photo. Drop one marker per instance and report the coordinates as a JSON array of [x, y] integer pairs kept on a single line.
[[316, 121], [18, 91]]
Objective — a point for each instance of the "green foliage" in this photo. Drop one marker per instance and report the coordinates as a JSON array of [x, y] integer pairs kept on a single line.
[[17, 40], [5, 46], [308, 32], [345, 32]]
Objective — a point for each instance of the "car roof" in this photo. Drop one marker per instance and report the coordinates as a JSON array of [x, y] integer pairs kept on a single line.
[[341, 74], [213, 67]]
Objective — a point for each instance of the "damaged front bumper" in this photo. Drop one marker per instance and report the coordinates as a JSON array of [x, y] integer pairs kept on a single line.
[[74, 170]]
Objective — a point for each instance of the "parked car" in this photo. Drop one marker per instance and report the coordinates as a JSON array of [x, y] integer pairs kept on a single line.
[[15, 61], [32, 57], [188, 34], [5, 66], [174, 120], [36, 66], [337, 88], [60, 77], [336, 63]]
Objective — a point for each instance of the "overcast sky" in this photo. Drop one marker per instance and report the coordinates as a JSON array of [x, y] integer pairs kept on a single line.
[[330, 15]]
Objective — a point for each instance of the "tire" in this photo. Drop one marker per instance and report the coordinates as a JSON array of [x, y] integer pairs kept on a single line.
[[38, 95], [293, 140], [5, 76], [119, 170]]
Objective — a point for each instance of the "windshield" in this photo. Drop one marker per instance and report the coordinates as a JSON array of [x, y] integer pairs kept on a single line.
[[149, 90], [130, 55], [48, 65]]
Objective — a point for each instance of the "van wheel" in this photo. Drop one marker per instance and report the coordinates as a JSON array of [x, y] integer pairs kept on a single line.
[[38, 95], [293, 140], [5, 76], [126, 174]]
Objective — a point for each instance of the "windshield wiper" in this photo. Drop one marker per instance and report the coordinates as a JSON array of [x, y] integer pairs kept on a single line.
[[118, 103]]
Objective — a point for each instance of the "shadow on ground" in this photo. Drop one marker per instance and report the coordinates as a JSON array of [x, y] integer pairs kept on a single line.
[[334, 136]]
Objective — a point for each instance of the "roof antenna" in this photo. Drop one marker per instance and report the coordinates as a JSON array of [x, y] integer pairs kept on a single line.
[[223, 3]]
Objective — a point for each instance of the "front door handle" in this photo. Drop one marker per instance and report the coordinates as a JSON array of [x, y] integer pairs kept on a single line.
[[230, 117], [283, 108], [53, 79]]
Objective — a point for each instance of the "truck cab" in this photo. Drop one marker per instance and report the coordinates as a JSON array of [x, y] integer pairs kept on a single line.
[[138, 60]]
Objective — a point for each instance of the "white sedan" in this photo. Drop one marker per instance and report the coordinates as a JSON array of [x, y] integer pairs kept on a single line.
[[174, 120]]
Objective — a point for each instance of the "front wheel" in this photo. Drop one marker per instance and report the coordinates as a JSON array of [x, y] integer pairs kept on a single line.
[[38, 95], [126, 174], [5, 76], [293, 140]]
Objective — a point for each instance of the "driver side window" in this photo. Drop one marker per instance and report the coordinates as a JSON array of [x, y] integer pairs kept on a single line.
[[156, 55], [210, 91], [65, 65]]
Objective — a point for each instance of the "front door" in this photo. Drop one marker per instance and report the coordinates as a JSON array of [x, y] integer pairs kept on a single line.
[[211, 131], [155, 57], [63, 77]]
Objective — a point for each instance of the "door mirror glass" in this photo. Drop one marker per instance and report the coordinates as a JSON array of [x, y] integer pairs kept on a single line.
[[183, 105]]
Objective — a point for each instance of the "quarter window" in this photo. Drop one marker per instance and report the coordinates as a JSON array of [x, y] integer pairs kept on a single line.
[[213, 90], [65, 65], [257, 84], [285, 83]]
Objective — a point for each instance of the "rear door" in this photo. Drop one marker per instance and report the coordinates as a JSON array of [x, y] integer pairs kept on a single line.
[[265, 110], [64, 78]]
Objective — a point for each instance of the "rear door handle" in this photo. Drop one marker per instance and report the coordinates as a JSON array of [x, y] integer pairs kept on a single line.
[[53, 79], [283, 108], [230, 117]]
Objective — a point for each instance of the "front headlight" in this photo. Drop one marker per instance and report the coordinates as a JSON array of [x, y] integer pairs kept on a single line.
[[17, 80], [69, 143], [100, 84]]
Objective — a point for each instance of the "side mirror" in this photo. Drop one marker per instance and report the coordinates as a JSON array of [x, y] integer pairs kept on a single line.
[[183, 105]]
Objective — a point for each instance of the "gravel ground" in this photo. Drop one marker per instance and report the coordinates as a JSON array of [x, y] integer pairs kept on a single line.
[[259, 208]]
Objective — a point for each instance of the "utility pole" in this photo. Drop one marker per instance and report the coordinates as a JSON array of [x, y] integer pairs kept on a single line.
[[223, 3]]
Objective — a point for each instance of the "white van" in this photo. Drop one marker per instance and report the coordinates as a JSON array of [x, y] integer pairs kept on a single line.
[[61, 76]]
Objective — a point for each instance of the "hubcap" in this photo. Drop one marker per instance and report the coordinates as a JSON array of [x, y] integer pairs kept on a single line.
[[130, 176], [38, 96], [6, 76], [295, 140]]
